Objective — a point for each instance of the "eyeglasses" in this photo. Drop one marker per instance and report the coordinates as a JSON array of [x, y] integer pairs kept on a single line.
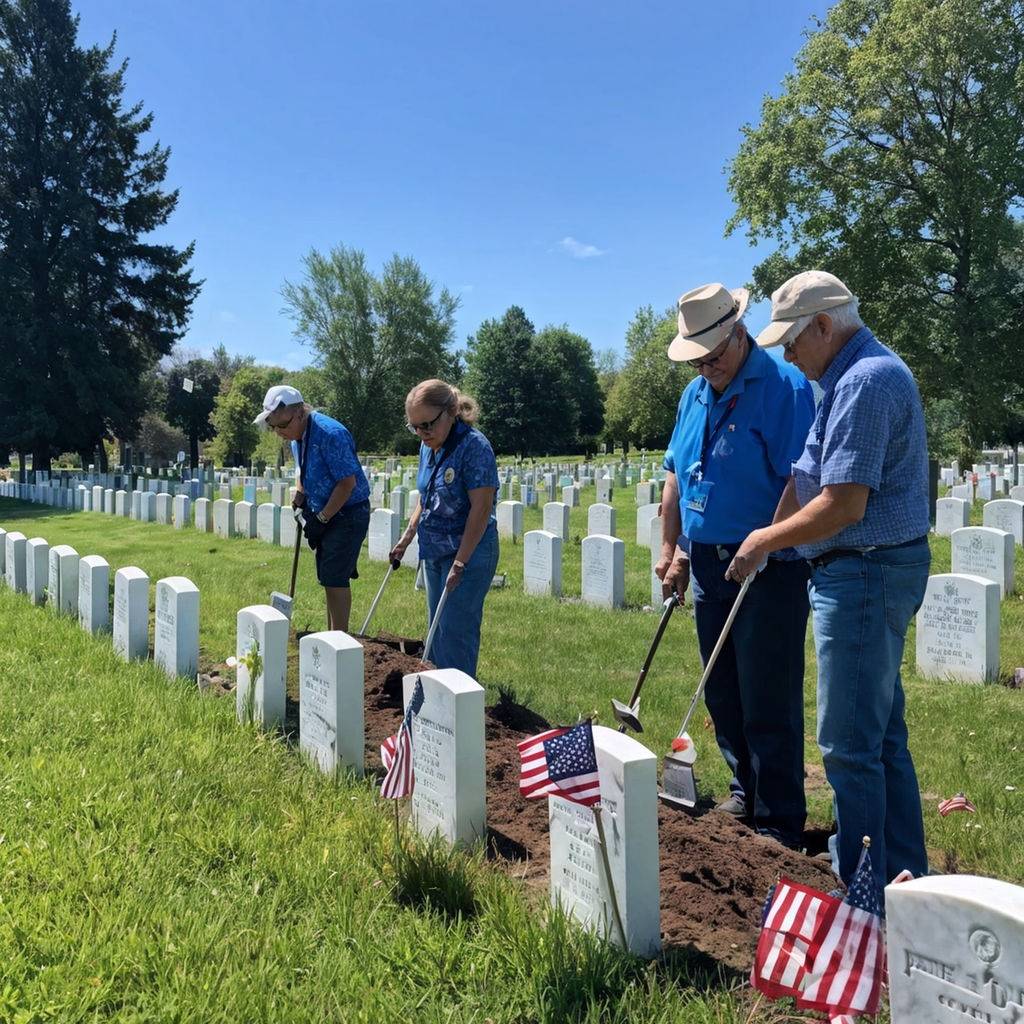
[[287, 423], [699, 364], [423, 428]]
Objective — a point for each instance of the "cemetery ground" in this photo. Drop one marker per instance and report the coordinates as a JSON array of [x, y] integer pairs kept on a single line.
[[159, 862]]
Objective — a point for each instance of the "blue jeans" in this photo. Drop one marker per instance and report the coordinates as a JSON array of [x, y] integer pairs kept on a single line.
[[755, 694], [457, 640], [862, 605]]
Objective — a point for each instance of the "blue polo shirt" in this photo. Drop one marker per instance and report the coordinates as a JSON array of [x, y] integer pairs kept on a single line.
[[465, 462], [332, 457], [733, 452], [869, 430]]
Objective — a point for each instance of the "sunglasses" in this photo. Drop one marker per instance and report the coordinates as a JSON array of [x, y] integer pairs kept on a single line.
[[699, 364], [287, 423], [423, 428]]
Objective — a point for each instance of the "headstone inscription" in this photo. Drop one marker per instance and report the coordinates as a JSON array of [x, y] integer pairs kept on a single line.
[[448, 755], [331, 700], [983, 551], [1005, 514], [604, 571], [629, 805], [94, 594], [601, 520], [542, 563], [131, 613], [261, 647], [955, 946], [176, 636], [958, 629]]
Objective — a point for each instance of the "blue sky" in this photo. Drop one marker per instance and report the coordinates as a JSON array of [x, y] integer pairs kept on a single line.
[[567, 157]]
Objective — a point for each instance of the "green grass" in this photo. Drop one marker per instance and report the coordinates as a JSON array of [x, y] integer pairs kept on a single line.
[[160, 863]]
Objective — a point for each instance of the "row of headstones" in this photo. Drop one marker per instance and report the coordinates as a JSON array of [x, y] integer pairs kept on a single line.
[[80, 587], [601, 519], [988, 551], [986, 488], [449, 798]]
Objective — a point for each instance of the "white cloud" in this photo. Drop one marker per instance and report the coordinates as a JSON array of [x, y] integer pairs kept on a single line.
[[580, 250]]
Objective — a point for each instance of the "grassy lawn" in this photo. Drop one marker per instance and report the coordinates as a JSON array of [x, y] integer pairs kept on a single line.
[[160, 863]]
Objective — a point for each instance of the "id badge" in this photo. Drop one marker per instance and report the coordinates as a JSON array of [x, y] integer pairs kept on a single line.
[[697, 495]]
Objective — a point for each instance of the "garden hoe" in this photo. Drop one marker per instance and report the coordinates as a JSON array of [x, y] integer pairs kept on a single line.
[[393, 567], [628, 715], [679, 787], [283, 602]]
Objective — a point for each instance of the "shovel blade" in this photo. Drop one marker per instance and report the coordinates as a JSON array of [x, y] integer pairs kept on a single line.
[[679, 787], [627, 716], [282, 602]]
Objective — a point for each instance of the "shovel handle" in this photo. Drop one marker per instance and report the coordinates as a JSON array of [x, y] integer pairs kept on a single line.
[[669, 605], [723, 636], [373, 607], [295, 558], [428, 643]]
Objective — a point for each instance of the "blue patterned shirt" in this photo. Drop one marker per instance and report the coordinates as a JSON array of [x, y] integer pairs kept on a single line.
[[332, 457], [869, 429], [445, 503]]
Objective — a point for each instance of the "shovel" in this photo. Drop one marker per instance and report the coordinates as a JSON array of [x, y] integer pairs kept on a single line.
[[678, 784], [628, 715], [428, 643], [395, 564], [284, 602]]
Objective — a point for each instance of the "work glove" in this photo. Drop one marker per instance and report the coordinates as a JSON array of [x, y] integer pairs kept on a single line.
[[314, 531]]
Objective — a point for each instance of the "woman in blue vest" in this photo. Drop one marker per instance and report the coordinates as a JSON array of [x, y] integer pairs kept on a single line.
[[454, 521]]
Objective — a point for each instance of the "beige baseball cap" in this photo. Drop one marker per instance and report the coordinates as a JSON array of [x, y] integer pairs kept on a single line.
[[813, 291], [705, 317]]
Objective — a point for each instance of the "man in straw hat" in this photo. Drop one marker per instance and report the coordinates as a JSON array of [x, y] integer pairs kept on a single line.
[[856, 507], [739, 426]]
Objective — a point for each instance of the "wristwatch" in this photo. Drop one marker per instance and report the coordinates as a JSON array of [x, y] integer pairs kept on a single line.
[[323, 519], [458, 565]]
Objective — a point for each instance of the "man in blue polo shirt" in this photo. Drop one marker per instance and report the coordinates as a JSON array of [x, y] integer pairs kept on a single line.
[[740, 425], [332, 490], [856, 507]]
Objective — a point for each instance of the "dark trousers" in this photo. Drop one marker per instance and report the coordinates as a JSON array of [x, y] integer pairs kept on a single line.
[[756, 692]]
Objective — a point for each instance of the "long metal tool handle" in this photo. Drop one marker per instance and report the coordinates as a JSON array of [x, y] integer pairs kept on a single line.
[[373, 607], [295, 559], [723, 636], [433, 625], [669, 604]]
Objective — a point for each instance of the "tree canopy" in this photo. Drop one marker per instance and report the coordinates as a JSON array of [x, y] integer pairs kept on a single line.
[[190, 411], [894, 157], [87, 305]]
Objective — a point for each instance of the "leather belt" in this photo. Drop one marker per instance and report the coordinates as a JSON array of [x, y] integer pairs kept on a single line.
[[830, 556]]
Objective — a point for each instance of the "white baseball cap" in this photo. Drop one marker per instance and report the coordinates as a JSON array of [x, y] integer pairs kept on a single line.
[[278, 395]]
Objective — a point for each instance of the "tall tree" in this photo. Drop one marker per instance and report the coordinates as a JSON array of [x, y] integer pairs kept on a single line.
[[87, 305], [894, 157], [190, 410], [374, 336], [236, 438], [641, 405], [569, 404]]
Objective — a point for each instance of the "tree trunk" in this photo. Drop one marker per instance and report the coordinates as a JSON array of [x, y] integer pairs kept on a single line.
[[103, 466], [40, 458], [193, 443]]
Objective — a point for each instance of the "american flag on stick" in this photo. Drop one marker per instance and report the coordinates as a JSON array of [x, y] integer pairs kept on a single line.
[[827, 953], [561, 762], [396, 752], [956, 803]]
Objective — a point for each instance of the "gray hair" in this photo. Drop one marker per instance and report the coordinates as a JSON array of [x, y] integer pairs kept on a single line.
[[844, 318]]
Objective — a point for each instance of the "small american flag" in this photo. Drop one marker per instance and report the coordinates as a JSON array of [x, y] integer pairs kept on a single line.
[[396, 752], [562, 762], [956, 803], [845, 975]]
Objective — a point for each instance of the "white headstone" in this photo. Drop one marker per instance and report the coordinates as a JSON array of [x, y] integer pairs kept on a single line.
[[983, 551], [958, 629], [182, 511], [510, 519], [1005, 514], [121, 503], [3, 554], [951, 514], [37, 569], [556, 519], [94, 594], [148, 506], [288, 528], [331, 700], [601, 520], [1017, 492], [384, 530], [108, 501], [137, 506], [268, 522], [63, 579], [203, 516], [411, 557], [223, 517], [397, 502], [604, 490], [448, 755], [955, 946], [261, 633], [176, 637], [604, 571], [97, 498], [654, 543], [542, 563], [163, 509], [644, 515], [629, 804], [131, 613], [245, 520], [647, 493], [964, 491]]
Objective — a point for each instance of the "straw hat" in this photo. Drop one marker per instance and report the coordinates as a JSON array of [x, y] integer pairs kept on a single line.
[[706, 316]]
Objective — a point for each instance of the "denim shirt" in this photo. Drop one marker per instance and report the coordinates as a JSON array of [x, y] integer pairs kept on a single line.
[[869, 430], [444, 505], [331, 458]]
